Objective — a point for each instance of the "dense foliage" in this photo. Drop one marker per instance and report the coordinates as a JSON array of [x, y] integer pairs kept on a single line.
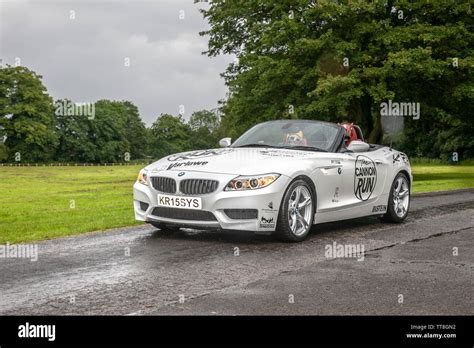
[[326, 60], [339, 60], [33, 128], [26, 116]]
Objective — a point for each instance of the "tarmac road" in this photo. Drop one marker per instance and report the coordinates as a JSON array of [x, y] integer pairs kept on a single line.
[[424, 266]]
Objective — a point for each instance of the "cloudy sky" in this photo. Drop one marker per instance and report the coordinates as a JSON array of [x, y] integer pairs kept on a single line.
[[82, 47]]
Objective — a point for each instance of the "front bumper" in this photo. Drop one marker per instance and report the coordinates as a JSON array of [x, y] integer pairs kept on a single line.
[[266, 201]]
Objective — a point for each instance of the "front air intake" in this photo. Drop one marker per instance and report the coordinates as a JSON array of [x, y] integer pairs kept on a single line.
[[241, 214], [184, 214]]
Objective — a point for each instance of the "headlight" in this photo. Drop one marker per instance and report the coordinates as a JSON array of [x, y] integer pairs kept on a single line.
[[142, 177], [251, 182]]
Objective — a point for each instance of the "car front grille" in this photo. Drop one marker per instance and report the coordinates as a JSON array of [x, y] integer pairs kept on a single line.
[[198, 186], [184, 214], [241, 214], [163, 184]]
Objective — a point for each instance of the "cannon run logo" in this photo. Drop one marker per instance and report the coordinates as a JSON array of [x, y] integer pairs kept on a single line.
[[365, 178]]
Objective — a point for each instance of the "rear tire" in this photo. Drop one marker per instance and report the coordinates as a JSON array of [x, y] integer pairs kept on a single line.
[[296, 215], [399, 200]]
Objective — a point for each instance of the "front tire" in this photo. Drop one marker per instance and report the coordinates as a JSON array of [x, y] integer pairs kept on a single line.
[[296, 212], [399, 200]]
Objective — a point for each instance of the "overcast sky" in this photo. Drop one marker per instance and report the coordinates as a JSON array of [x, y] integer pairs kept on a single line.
[[84, 58]]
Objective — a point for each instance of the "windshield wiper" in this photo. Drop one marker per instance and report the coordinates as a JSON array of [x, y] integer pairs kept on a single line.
[[306, 148]]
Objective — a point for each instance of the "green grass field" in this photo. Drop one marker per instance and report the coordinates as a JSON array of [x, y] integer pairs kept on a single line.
[[428, 178], [48, 202]]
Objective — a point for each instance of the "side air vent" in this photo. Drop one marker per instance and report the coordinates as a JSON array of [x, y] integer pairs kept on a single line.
[[144, 206]]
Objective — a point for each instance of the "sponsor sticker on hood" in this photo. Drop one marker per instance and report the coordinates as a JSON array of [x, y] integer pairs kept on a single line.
[[198, 154], [187, 164]]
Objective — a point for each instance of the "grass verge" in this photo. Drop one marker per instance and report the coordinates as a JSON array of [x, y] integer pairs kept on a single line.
[[48, 202]]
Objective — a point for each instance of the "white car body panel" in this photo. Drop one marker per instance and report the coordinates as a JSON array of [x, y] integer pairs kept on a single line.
[[333, 176]]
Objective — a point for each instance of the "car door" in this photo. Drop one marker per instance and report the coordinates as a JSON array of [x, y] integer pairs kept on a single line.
[[363, 177], [329, 179]]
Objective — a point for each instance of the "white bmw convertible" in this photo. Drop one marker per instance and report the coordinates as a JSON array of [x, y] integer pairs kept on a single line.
[[279, 177]]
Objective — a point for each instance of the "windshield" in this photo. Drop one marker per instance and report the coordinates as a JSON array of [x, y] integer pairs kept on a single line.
[[310, 135]]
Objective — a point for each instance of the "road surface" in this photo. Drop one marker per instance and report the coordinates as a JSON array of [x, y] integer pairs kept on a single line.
[[424, 266]]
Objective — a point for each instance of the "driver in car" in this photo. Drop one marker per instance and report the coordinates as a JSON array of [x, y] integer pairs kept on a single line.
[[296, 139]]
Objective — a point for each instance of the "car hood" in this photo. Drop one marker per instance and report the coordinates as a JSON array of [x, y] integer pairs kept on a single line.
[[242, 161]]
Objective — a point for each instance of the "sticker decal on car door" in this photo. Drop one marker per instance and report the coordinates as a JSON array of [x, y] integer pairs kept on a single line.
[[365, 177]]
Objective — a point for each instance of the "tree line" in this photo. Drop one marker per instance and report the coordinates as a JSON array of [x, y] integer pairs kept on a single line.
[[34, 128], [326, 60], [341, 60]]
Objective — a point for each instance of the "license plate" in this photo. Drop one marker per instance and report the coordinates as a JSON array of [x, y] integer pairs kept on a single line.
[[180, 202]]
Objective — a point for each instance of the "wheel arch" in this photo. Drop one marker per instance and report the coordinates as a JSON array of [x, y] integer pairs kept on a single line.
[[311, 184], [407, 174], [282, 231]]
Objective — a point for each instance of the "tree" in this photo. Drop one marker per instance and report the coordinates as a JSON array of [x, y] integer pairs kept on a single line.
[[3, 147], [204, 126], [3, 152], [135, 132], [169, 134], [73, 134], [114, 133], [26, 115], [204, 119], [109, 131], [339, 60]]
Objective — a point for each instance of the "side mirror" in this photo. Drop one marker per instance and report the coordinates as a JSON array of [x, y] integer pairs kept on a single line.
[[225, 142], [358, 146]]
